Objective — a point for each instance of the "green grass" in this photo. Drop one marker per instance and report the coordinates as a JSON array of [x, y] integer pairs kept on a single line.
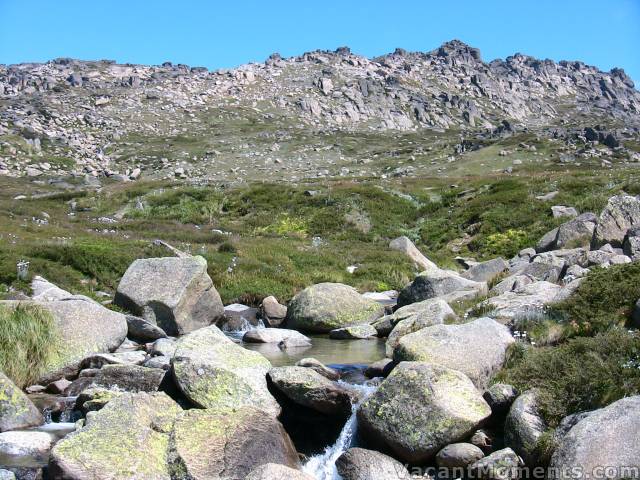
[[584, 373], [27, 342]]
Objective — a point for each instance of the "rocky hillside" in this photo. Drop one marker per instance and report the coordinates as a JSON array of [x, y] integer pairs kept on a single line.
[[320, 114]]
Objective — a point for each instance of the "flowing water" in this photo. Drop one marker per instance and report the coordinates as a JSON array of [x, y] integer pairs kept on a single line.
[[323, 465]]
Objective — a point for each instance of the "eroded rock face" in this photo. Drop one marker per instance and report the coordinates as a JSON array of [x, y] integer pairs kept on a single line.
[[361, 464], [605, 437], [225, 444], [326, 306], [421, 408], [476, 349], [16, 410], [308, 388], [214, 372], [417, 316], [621, 213], [128, 438], [175, 293]]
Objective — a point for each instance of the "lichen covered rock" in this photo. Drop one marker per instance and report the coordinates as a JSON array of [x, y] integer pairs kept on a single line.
[[16, 410]]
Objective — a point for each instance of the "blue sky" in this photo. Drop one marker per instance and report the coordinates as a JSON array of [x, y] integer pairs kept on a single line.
[[219, 34]]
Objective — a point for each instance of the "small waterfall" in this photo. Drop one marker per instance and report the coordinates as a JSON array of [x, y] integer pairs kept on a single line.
[[323, 465], [244, 327]]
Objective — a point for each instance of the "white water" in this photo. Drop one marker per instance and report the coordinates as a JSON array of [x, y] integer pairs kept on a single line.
[[245, 326], [323, 465]]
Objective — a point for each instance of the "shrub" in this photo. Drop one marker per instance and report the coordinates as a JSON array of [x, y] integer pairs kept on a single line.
[[584, 373], [27, 342]]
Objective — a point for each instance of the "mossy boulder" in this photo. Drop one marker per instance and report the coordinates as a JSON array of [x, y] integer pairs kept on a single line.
[[417, 316], [324, 307], [225, 444], [419, 409], [306, 387], [16, 410], [214, 372], [128, 438], [174, 293], [477, 348]]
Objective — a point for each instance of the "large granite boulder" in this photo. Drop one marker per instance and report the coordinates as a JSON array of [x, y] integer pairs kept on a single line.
[[82, 327], [128, 438], [214, 372], [274, 471], [174, 293], [621, 213], [16, 410], [417, 316], [440, 283], [528, 301], [361, 464], [524, 426], [486, 271], [326, 306], [419, 409], [576, 232], [272, 312], [458, 455], [605, 438], [225, 444], [477, 348], [306, 387]]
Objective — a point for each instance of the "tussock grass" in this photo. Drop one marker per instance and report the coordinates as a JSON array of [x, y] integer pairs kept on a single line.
[[27, 342]]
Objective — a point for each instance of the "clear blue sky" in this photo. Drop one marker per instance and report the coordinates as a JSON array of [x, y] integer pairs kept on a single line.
[[219, 34]]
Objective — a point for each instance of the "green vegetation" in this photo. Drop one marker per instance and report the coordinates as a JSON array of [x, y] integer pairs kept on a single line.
[[582, 374], [27, 342]]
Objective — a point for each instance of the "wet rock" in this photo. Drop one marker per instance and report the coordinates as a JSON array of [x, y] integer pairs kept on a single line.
[[419, 409], [458, 455], [440, 284], [25, 448], [477, 348], [355, 332], [16, 410], [128, 438], [275, 335], [319, 367], [500, 396], [621, 213], [95, 398], [214, 372], [524, 426], [381, 368], [416, 316], [606, 437], [229, 444], [308, 388], [327, 306], [361, 464], [175, 293], [501, 465], [274, 471], [238, 317], [272, 312], [59, 386]]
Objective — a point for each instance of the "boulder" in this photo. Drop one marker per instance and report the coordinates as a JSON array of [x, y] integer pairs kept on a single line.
[[621, 213], [548, 241], [140, 329], [26, 448], [83, 327], [274, 471], [524, 426], [319, 367], [16, 410], [458, 455], [500, 465], [500, 396], [486, 271], [130, 378], [275, 335], [406, 246], [99, 360], [326, 306], [214, 372], [361, 464], [165, 347], [420, 408], [631, 245], [511, 283], [238, 317], [415, 317], [559, 211], [477, 348], [380, 368], [128, 438], [308, 388], [439, 284], [174, 293], [226, 444], [272, 312], [606, 437], [355, 332], [161, 362], [525, 302], [576, 232], [95, 398]]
